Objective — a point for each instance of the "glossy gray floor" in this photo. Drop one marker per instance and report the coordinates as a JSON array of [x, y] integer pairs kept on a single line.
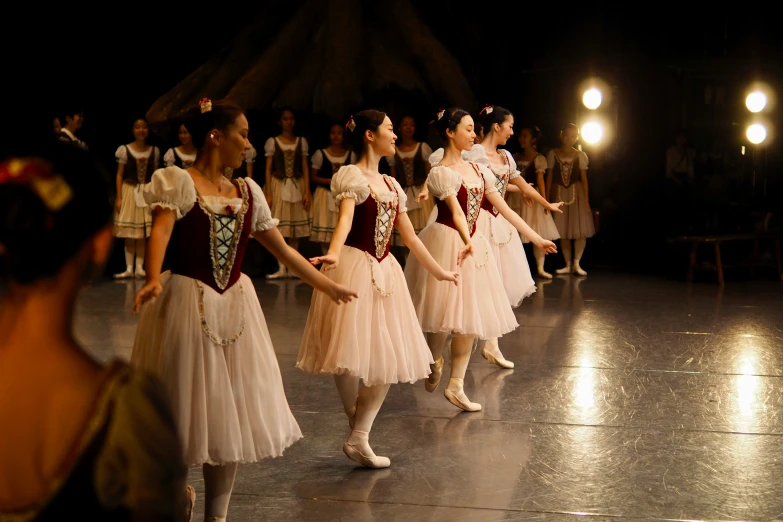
[[632, 399]]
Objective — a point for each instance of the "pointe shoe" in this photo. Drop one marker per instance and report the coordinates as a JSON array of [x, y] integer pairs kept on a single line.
[[127, 274], [432, 382], [140, 273], [499, 361], [191, 496], [544, 274], [578, 269], [565, 270], [280, 274], [461, 401], [354, 453]]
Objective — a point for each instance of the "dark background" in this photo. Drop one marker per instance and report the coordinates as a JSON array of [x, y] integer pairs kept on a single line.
[[659, 64]]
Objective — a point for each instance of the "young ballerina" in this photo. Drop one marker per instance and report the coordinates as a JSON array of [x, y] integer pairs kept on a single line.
[[288, 183], [566, 181], [81, 440], [506, 244], [325, 163], [136, 162], [533, 167], [479, 307], [184, 155], [377, 340], [202, 331]]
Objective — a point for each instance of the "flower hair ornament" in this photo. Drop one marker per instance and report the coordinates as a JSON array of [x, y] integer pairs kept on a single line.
[[50, 187], [439, 115], [488, 109], [351, 125], [205, 104]]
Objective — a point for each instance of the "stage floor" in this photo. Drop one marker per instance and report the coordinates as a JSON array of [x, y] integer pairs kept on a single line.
[[633, 398]]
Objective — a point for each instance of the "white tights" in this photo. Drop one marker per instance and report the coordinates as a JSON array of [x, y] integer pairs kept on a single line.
[[134, 248], [218, 484]]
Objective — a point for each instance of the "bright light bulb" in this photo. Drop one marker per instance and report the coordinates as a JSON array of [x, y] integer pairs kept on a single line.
[[756, 101], [756, 133], [592, 98], [592, 132]]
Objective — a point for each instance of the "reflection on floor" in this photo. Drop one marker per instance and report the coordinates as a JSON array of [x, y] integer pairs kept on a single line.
[[632, 398]]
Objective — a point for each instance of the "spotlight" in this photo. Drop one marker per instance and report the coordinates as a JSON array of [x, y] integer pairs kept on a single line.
[[592, 132], [592, 98], [756, 101], [756, 133]]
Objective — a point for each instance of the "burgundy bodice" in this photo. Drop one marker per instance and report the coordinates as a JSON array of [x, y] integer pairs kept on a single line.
[[563, 173], [469, 203], [204, 247], [373, 223], [530, 174]]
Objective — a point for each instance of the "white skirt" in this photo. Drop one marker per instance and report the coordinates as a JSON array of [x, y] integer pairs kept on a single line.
[[477, 306], [509, 255], [373, 337], [324, 215], [541, 222], [228, 401], [294, 219], [576, 221], [132, 221]]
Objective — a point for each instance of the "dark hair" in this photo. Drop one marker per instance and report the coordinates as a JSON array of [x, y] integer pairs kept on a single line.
[[282, 110], [568, 126], [449, 121], [535, 132], [406, 116], [478, 128], [222, 116], [366, 120], [69, 110], [39, 240], [496, 115]]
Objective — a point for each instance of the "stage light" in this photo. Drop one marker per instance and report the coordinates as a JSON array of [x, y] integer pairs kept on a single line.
[[592, 132], [756, 133], [592, 98], [756, 101]]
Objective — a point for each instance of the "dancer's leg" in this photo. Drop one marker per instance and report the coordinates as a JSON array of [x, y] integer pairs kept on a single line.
[[436, 342], [491, 352], [357, 447], [565, 244], [141, 247], [348, 388], [579, 249], [218, 484], [130, 252], [539, 255], [461, 347]]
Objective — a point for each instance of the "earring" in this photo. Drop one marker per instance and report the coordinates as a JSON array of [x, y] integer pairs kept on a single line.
[[212, 136]]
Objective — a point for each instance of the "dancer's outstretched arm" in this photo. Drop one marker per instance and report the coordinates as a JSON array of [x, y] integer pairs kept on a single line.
[[163, 220], [519, 223], [527, 190], [340, 234], [417, 248]]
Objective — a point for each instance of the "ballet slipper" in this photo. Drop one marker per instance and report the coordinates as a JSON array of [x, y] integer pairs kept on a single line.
[[432, 382], [495, 356]]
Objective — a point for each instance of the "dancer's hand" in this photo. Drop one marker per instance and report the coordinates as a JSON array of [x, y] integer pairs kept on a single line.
[[148, 292], [341, 294], [528, 201], [555, 207], [118, 204], [546, 246], [330, 261], [306, 200], [452, 277], [466, 251], [424, 195]]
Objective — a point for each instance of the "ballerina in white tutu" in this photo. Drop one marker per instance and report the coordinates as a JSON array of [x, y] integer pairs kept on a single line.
[[506, 244], [479, 306], [533, 167], [202, 331], [376, 340]]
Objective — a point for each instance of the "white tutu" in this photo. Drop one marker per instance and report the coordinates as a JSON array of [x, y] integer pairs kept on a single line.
[[509, 255], [375, 338], [576, 221], [540, 222], [478, 305], [229, 401]]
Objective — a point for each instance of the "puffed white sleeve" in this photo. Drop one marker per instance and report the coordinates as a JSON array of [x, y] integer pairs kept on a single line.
[[250, 155], [436, 157], [515, 173], [168, 158], [583, 161], [305, 147], [401, 196], [489, 179], [541, 163], [389, 160], [350, 183], [443, 182], [262, 215], [170, 188], [550, 159], [426, 151], [269, 147], [122, 155], [317, 160], [477, 154]]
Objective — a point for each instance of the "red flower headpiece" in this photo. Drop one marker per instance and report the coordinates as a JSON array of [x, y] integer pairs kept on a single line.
[[50, 187], [488, 109], [438, 116], [351, 125], [205, 104]]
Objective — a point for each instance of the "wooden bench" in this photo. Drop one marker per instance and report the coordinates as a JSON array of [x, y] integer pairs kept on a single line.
[[716, 240]]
